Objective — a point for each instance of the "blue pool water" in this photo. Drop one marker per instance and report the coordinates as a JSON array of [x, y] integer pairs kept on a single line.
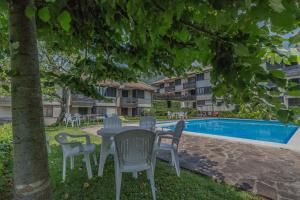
[[271, 131]]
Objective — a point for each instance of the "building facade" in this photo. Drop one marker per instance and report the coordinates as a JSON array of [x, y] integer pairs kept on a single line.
[[128, 99], [292, 74], [194, 91]]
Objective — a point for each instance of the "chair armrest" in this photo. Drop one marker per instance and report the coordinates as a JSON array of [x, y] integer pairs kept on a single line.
[[161, 133], [87, 137]]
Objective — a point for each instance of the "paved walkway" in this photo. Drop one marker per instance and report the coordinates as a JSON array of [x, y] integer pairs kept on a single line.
[[271, 172]]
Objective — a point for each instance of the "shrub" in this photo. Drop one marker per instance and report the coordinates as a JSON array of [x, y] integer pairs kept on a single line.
[[6, 161]]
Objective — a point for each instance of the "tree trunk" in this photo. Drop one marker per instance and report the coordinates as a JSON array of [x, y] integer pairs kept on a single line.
[[63, 104], [31, 176]]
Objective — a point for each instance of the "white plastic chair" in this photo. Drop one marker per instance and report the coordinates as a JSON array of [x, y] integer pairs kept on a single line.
[[77, 118], [174, 136], [69, 119], [74, 148], [112, 122], [170, 116], [134, 153], [107, 147], [148, 122]]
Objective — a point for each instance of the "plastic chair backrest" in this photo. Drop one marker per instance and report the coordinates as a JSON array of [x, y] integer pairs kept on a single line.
[[112, 122], [179, 128], [134, 147], [148, 122]]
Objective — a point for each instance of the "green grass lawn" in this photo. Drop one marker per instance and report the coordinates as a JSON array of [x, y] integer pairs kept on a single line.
[[77, 186]]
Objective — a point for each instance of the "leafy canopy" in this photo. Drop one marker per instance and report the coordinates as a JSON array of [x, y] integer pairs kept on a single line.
[[122, 40]]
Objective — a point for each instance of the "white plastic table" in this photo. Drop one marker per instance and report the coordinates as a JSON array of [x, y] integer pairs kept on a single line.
[[107, 135]]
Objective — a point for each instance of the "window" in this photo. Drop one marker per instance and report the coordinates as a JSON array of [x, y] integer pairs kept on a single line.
[[201, 102], [83, 111], [140, 94], [191, 79], [162, 85], [200, 77], [111, 92], [295, 80], [48, 111], [294, 101], [99, 110], [177, 94], [124, 93], [204, 90], [178, 82]]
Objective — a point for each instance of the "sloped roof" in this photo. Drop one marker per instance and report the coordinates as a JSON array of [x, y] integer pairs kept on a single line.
[[128, 85]]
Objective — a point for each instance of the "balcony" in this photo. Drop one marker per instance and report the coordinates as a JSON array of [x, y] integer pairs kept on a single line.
[[188, 97], [170, 88], [79, 100], [174, 97], [128, 102], [189, 85]]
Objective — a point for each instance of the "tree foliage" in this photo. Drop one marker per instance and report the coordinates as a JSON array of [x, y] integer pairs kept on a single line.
[[122, 40]]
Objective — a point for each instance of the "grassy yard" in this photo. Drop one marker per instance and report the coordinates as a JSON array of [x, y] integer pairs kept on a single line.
[[189, 186]]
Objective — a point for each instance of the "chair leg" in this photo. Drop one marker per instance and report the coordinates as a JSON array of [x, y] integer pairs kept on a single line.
[[72, 162], [64, 168], [118, 184], [154, 161], [172, 159], [88, 165], [103, 154], [95, 159], [151, 178], [176, 163]]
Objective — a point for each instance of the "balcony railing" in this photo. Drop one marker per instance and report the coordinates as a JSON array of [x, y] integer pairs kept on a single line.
[[81, 100], [170, 88], [189, 85], [128, 102], [174, 97]]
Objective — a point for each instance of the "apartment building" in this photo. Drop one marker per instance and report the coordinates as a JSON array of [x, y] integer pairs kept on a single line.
[[292, 74], [129, 99], [194, 91]]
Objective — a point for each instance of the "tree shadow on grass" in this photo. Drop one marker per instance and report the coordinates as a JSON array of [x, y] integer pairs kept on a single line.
[[188, 186]]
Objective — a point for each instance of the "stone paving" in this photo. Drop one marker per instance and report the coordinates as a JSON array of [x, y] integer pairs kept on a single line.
[[270, 172]]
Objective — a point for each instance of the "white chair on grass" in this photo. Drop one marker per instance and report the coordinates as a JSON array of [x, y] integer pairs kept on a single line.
[[107, 147], [148, 122], [174, 136], [69, 119], [75, 148], [134, 153], [77, 118]]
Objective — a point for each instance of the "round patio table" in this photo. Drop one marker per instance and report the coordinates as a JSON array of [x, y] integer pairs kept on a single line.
[[107, 135]]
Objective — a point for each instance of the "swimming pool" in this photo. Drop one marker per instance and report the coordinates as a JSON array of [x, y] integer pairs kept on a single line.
[[270, 131]]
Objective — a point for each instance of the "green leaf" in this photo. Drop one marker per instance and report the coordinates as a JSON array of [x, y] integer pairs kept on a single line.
[[30, 10], [294, 90], [241, 50], [276, 5], [65, 19], [278, 73], [44, 14]]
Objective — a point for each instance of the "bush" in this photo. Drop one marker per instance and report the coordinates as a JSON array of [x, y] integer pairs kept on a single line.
[[6, 161]]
